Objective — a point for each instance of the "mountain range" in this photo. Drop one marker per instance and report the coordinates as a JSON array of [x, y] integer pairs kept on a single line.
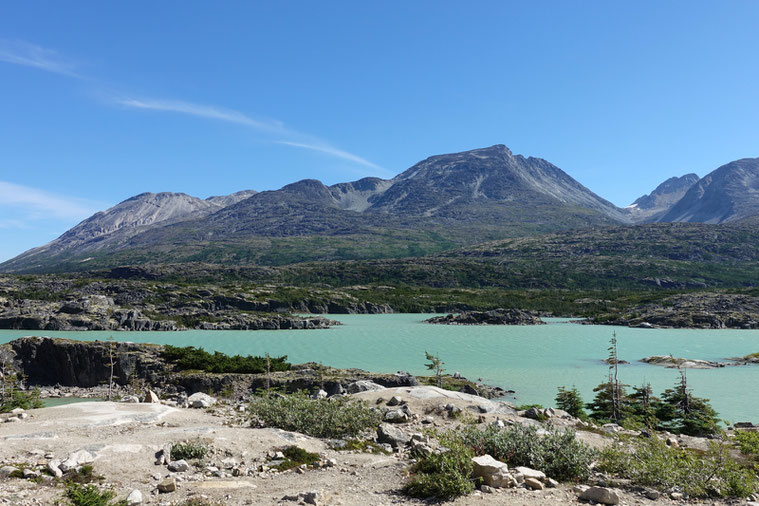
[[441, 203]]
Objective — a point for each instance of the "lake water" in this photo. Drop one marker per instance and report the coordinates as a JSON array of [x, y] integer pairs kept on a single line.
[[532, 360]]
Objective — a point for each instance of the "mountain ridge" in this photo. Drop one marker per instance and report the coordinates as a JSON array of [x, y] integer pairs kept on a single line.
[[442, 202]]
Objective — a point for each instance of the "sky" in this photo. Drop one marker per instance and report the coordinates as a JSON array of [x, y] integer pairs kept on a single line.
[[100, 101]]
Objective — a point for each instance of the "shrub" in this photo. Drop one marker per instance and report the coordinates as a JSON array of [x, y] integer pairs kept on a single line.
[[295, 456], [650, 462], [327, 418], [192, 358], [188, 450], [89, 495], [748, 442], [558, 453], [23, 400], [444, 475]]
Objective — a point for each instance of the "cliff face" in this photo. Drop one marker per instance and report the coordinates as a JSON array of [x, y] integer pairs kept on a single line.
[[48, 361]]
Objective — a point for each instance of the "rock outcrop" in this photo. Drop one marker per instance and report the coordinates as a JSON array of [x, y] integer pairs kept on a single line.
[[693, 311], [494, 317]]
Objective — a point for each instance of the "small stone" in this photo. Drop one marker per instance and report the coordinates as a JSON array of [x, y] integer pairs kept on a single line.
[[22, 416], [6, 471], [533, 483], [487, 489], [168, 485], [29, 473], [551, 483], [134, 498], [676, 496], [394, 401], [179, 466], [311, 497], [652, 494]]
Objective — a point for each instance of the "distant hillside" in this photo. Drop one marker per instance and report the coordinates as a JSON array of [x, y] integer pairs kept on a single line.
[[660, 256], [440, 203], [729, 193], [651, 207]]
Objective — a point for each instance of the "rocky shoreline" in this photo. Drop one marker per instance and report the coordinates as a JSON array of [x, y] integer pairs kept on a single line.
[[494, 317], [689, 311], [47, 362]]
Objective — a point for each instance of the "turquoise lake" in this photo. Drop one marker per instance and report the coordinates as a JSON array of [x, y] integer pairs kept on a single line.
[[532, 360]]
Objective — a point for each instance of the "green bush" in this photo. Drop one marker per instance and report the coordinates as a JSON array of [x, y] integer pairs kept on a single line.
[[327, 418], [361, 445], [748, 442], [650, 462], [23, 400], [558, 453], [89, 495], [295, 456], [192, 358], [444, 475], [188, 450]]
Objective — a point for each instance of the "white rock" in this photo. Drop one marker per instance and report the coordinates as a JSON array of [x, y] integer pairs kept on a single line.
[[76, 459], [530, 473], [179, 466], [130, 399], [134, 498], [600, 495], [151, 397], [493, 472], [201, 400], [6, 471], [54, 467]]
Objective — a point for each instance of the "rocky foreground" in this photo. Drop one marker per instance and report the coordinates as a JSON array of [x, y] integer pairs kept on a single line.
[[691, 311], [130, 445], [494, 317]]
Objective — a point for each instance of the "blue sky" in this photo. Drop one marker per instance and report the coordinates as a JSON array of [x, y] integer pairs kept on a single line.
[[100, 101]]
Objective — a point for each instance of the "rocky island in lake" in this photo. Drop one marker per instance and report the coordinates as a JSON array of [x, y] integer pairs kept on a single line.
[[494, 317]]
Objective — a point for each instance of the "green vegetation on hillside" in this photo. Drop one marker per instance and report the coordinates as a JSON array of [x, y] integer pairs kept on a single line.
[[196, 359]]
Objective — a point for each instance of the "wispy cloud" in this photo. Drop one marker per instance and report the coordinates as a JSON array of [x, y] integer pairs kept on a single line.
[[287, 137], [330, 150], [23, 53], [30, 55], [202, 111], [33, 203]]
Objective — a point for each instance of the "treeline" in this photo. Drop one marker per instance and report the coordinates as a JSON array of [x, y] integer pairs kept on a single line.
[[196, 359]]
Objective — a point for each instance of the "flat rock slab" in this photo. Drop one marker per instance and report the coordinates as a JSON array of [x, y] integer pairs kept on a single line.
[[430, 392], [224, 485], [100, 414]]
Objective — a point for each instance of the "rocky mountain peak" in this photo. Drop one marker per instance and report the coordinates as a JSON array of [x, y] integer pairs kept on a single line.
[[652, 206], [729, 193]]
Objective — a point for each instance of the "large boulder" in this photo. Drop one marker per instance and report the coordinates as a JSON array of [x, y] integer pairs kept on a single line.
[[201, 400], [76, 459], [363, 386], [600, 495], [493, 472], [393, 436]]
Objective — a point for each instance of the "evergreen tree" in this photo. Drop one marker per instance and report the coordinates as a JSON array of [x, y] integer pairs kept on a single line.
[[683, 413], [571, 402], [643, 405]]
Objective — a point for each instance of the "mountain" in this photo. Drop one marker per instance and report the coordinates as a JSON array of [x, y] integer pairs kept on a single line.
[[117, 225], [654, 205], [729, 193], [440, 203]]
